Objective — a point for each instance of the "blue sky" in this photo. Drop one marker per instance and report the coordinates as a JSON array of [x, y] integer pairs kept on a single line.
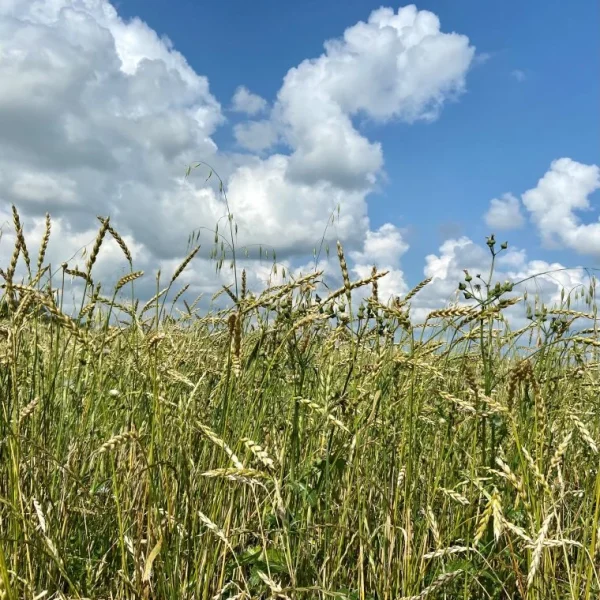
[[500, 136], [417, 120]]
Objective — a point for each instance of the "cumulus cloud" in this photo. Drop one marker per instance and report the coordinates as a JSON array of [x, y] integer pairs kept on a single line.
[[383, 248], [245, 101], [397, 65], [411, 65], [563, 190], [99, 115], [256, 135], [291, 216], [67, 244], [505, 213], [539, 278]]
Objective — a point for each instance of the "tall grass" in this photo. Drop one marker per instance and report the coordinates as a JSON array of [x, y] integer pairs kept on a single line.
[[293, 446]]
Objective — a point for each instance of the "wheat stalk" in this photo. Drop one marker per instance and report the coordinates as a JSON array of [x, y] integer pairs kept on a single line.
[[438, 583], [215, 439], [120, 241], [538, 548], [186, 261], [117, 441], [21, 237], [44, 244], [96, 247], [128, 279]]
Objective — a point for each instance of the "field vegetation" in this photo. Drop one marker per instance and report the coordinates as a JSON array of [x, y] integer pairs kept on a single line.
[[297, 442]]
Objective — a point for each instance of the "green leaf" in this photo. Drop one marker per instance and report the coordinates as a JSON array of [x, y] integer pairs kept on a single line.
[[250, 555]]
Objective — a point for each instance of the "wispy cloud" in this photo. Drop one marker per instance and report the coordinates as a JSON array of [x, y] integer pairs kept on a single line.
[[519, 75]]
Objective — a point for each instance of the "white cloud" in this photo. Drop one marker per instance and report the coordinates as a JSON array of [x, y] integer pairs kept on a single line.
[[256, 135], [291, 216], [98, 116], [519, 75], [245, 101], [504, 213], [38, 187], [539, 278], [101, 116], [382, 248], [553, 203], [66, 244], [481, 58], [394, 66]]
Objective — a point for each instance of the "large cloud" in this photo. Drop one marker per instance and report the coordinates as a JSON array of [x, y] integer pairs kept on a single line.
[[96, 115], [101, 116], [256, 135], [396, 65]]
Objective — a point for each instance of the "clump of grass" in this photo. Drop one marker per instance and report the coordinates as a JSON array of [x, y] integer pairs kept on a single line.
[[294, 446]]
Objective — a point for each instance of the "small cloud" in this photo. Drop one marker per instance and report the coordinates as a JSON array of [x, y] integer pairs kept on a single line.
[[256, 135], [505, 213], [481, 58], [518, 75], [245, 101]]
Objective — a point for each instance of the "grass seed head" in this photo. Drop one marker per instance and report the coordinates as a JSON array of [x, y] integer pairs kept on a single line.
[[96, 247]]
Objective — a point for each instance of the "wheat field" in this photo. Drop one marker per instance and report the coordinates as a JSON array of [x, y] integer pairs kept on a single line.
[[292, 446]]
